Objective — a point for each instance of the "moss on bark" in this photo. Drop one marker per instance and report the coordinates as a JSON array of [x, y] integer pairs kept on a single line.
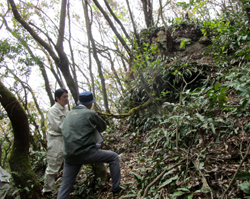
[[131, 112], [23, 176], [21, 171]]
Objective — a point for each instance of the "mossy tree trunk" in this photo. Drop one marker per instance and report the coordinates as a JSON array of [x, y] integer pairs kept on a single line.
[[100, 171], [22, 174]]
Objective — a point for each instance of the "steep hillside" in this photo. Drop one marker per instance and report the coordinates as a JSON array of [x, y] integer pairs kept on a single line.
[[195, 145]]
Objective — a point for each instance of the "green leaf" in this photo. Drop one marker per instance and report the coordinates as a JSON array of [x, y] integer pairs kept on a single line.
[[16, 191], [223, 90], [201, 118], [244, 90], [245, 187], [130, 195], [190, 196], [212, 127], [205, 125], [183, 189], [243, 176], [201, 165], [168, 181], [220, 120], [216, 87], [169, 172], [178, 193], [168, 104], [244, 37], [203, 191], [245, 104], [136, 176]]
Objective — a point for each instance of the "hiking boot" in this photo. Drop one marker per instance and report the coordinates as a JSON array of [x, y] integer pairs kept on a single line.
[[118, 190], [48, 195]]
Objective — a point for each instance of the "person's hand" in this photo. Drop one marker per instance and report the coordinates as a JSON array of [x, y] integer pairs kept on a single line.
[[100, 113]]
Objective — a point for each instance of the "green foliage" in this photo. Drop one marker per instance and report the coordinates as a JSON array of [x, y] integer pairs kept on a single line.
[[38, 161], [207, 109], [245, 186], [193, 113], [184, 42], [217, 95], [9, 50], [230, 38], [18, 56], [168, 181], [238, 79], [180, 192], [243, 176], [141, 180]]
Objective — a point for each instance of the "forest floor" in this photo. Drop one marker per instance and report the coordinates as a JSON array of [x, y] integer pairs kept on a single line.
[[211, 163]]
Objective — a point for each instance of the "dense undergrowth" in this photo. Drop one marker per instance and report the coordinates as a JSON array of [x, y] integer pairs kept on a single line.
[[198, 145], [195, 146]]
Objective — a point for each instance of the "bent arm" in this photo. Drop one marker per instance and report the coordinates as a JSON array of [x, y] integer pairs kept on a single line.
[[99, 122]]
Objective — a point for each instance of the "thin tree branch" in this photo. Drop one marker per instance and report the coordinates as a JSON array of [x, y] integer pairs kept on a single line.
[[113, 27]]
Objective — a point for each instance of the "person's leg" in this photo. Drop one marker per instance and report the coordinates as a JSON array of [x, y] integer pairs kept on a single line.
[[54, 161], [107, 157], [69, 176]]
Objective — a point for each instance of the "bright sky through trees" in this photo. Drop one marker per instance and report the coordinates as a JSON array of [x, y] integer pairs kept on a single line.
[[43, 16]]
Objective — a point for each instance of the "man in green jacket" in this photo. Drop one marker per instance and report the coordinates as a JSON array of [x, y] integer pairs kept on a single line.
[[80, 145]]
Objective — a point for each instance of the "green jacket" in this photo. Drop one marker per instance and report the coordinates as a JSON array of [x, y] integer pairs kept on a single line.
[[78, 133]]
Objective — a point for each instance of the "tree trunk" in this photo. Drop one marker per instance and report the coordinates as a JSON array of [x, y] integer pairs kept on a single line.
[[113, 70], [100, 171], [42, 119], [64, 62], [170, 42], [148, 12], [24, 178], [91, 73], [73, 68], [90, 36]]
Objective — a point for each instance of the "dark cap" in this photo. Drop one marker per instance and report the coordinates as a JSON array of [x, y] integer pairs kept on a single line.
[[86, 98]]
